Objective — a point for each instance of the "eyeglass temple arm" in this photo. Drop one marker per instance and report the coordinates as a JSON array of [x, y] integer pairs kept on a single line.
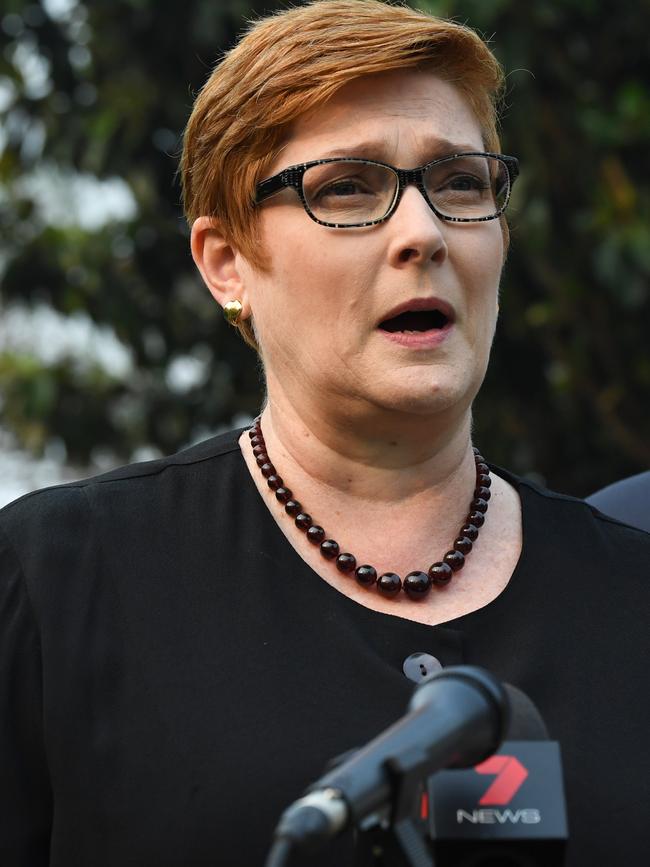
[[513, 167], [270, 186]]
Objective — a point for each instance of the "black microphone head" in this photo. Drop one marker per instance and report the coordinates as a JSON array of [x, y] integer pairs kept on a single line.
[[437, 690], [475, 677], [526, 723]]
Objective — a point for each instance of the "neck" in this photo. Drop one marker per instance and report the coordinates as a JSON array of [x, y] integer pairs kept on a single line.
[[394, 503], [383, 459]]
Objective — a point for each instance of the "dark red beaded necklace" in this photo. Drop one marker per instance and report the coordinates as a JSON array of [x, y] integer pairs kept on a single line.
[[416, 584]]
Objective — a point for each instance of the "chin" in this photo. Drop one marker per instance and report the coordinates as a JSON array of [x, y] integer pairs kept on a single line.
[[422, 399]]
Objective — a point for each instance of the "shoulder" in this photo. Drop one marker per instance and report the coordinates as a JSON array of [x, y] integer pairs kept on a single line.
[[572, 528], [62, 524], [202, 456], [627, 499]]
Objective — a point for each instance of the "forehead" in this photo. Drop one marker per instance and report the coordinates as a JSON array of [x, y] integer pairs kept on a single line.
[[402, 116]]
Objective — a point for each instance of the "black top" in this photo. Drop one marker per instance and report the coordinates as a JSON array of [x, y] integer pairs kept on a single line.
[[627, 500], [173, 674]]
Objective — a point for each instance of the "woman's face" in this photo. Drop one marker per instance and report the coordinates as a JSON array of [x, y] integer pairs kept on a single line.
[[318, 310]]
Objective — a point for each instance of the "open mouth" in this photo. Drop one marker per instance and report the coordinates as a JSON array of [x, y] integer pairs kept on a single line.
[[413, 321]]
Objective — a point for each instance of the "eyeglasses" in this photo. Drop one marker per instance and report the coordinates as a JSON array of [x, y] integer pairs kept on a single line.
[[346, 192]]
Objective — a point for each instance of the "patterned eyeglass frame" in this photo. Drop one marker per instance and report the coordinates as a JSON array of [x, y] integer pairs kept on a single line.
[[292, 176]]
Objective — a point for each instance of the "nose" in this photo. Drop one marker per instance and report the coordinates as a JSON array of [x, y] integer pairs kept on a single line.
[[417, 234]]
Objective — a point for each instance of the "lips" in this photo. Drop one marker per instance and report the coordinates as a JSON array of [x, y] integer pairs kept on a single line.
[[418, 315]]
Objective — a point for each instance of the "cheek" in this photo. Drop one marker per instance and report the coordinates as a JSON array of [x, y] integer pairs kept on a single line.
[[483, 266], [319, 276], [480, 274], [302, 306]]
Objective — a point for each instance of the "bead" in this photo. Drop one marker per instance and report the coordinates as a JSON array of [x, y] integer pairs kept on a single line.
[[470, 531], [482, 469], [346, 563], [267, 471], [259, 450], [293, 508], [484, 480], [479, 505], [389, 584], [252, 433], [366, 575], [417, 585], [479, 459], [440, 574], [262, 459], [315, 534], [329, 549], [475, 450], [303, 521], [476, 518], [283, 494], [463, 544], [257, 440], [274, 482], [483, 493], [454, 559]]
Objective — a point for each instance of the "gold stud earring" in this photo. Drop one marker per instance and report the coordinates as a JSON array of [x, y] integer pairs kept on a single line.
[[232, 311]]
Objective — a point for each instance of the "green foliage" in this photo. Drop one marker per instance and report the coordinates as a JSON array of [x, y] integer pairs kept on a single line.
[[120, 86], [105, 89], [42, 399]]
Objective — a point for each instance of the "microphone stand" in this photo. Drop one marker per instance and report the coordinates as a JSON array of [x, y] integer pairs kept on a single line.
[[397, 842]]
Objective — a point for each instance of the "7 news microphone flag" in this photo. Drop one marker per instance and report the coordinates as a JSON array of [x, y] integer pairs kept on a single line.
[[456, 719], [509, 809]]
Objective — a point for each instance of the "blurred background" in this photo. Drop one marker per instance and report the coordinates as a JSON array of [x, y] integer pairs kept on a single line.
[[111, 349]]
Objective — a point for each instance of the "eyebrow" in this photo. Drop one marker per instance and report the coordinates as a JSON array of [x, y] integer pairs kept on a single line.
[[369, 149]]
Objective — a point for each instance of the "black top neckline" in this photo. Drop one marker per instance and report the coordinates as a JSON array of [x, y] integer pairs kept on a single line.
[[455, 624], [533, 552]]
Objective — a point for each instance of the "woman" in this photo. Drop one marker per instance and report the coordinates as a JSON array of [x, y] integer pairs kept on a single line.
[[185, 645]]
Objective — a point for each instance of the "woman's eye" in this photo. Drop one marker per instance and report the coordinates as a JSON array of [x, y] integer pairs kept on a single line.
[[465, 183], [343, 188]]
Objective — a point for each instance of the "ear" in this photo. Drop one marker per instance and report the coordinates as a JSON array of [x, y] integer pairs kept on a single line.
[[217, 260]]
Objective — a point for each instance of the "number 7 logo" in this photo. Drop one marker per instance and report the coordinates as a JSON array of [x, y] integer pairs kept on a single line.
[[510, 776]]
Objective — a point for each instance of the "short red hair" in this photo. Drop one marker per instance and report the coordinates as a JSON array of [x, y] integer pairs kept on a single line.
[[293, 61]]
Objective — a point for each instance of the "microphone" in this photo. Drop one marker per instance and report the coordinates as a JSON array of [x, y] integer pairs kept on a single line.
[[508, 810], [456, 719]]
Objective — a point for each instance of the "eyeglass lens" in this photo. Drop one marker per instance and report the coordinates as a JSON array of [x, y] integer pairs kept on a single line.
[[348, 192]]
